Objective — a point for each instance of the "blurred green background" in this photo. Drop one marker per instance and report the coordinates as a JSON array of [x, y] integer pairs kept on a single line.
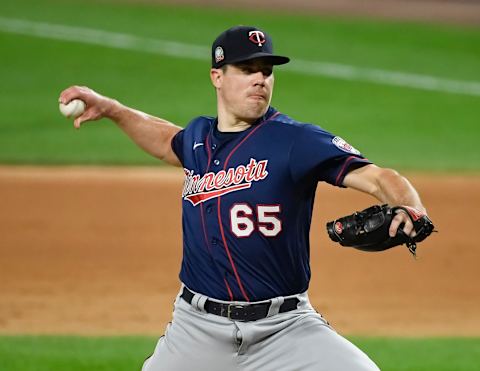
[[62, 353], [394, 126]]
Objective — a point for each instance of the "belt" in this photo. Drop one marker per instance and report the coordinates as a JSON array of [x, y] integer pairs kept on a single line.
[[240, 312]]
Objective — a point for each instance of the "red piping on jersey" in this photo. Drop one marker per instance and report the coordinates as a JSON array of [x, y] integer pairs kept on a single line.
[[203, 225], [228, 288], [344, 167], [218, 203], [208, 247], [201, 205], [203, 217], [237, 277], [244, 139], [209, 154]]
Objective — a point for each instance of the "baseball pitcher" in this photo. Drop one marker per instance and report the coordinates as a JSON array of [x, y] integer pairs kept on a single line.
[[251, 174]]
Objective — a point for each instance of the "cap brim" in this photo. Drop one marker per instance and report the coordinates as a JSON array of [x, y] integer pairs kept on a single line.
[[275, 59]]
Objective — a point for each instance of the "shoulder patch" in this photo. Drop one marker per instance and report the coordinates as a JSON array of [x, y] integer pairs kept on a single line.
[[344, 146]]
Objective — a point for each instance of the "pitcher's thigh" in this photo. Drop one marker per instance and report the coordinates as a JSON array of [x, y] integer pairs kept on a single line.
[[307, 345], [194, 341], [321, 348], [189, 358]]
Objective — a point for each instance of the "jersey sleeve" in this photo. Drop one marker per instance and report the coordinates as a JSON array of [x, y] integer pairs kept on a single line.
[[195, 132], [321, 156], [177, 145]]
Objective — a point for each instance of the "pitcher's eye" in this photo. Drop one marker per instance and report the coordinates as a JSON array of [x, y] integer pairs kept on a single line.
[[249, 68], [267, 71]]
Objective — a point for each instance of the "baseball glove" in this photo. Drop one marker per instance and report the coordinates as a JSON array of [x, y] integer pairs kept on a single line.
[[367, 230]]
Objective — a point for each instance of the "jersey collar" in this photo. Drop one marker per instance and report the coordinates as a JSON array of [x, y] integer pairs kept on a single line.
[[270, 112]]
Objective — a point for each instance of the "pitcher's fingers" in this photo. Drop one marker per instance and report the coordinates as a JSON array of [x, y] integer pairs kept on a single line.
[[72, 92], [63, 99], [77, 122], [81, 119], [396, 221], [408, 228]]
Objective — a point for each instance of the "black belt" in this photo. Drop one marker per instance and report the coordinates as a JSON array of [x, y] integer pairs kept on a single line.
[[238, 312]]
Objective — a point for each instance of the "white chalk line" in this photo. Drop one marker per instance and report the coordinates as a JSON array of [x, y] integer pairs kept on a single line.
[[191, 51]]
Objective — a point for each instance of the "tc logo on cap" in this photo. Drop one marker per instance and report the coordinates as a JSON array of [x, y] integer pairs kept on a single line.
[[256, 37]]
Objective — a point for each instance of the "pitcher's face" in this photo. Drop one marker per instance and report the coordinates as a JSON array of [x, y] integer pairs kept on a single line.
[[245, 89]]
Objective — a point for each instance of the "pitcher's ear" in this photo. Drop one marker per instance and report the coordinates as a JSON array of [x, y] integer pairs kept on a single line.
[[216, 75]]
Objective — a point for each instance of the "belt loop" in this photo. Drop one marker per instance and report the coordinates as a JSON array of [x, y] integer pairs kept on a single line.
[[198, 302], [275, 306]]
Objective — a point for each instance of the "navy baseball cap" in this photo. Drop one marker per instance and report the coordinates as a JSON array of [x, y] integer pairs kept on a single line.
[[242, 43]]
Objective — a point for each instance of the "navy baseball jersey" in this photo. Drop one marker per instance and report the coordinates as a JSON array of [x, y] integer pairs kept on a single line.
[[248, 200]]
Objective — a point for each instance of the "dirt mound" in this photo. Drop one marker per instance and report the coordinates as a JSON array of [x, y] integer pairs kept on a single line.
[[97, 251]]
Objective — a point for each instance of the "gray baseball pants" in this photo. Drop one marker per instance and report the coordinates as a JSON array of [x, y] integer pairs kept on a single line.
[[297, 340]]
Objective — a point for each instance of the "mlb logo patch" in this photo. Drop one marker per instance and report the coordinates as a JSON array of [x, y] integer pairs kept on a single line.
[[219, 55], [344, 146]]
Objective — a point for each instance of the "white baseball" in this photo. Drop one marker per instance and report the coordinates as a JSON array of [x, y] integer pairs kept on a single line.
[[72, 109]]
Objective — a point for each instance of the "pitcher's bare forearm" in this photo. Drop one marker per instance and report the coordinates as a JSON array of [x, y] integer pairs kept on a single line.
[[154, 135], [386, 185], [395, 189]]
